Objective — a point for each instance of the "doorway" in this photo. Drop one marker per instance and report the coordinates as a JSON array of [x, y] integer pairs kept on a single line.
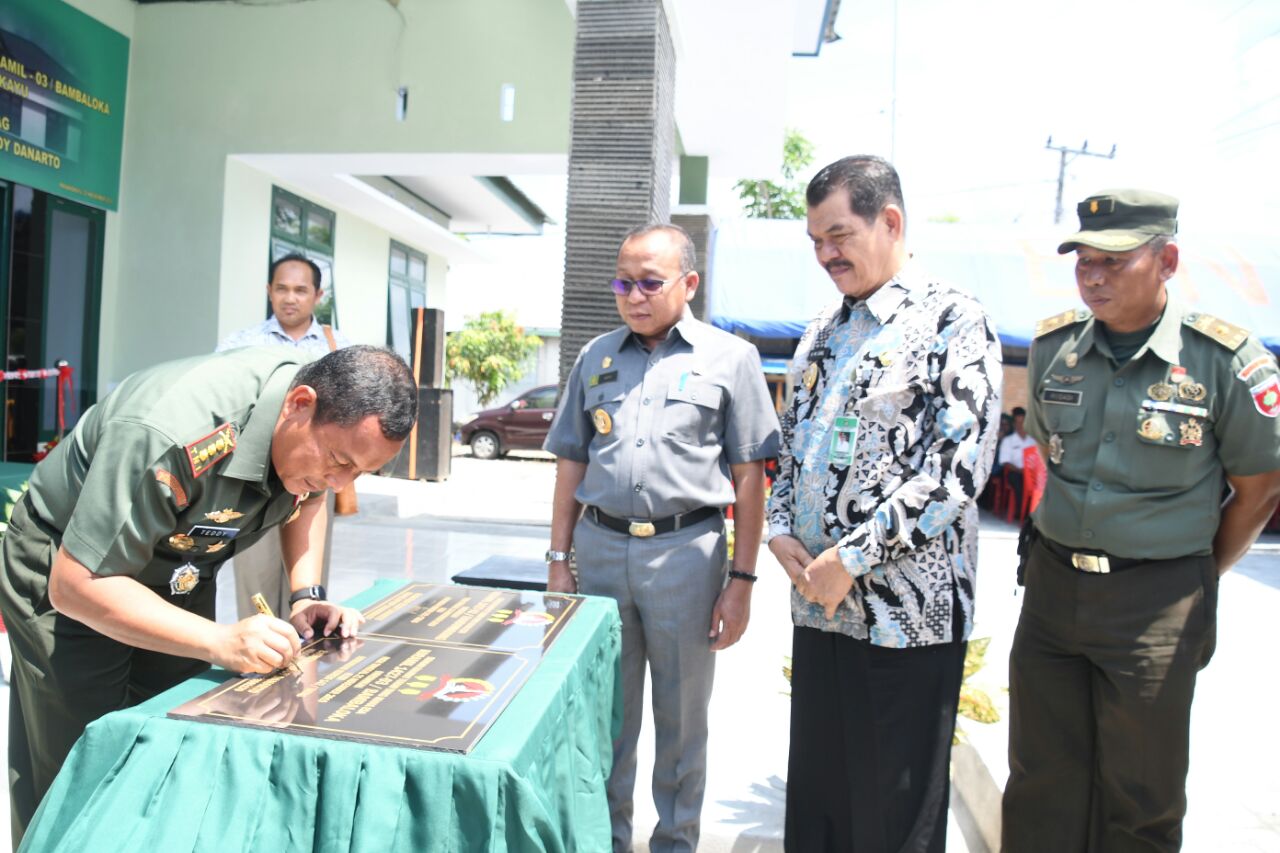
[[50, 291]]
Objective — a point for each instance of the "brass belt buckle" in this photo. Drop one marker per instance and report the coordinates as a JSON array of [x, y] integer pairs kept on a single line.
[[1091, 563], [642, 529]]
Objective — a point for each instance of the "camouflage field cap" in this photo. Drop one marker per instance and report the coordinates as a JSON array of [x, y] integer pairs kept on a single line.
[[1123, 220]]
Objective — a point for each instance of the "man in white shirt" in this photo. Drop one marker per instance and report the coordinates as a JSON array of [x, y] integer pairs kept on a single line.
[[293, 288], [1010, 456]]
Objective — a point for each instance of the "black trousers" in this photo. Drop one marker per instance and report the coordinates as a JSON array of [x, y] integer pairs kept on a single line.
[[1101, 677], [871, 732]]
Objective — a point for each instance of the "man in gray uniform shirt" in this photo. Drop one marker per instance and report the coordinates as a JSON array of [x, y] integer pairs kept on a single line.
[[655, 417]]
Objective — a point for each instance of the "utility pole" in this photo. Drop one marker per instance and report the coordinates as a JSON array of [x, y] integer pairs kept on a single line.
[[1063, 160]]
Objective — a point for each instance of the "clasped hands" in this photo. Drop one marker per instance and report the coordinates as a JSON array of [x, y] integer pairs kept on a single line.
[[822, 580]]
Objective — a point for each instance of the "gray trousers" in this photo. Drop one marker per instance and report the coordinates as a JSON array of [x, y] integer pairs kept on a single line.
[[666, 588], [260, 568]]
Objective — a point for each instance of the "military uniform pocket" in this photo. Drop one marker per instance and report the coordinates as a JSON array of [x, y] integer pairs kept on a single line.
[[691, 411], [1165, 448], [1063, 419]]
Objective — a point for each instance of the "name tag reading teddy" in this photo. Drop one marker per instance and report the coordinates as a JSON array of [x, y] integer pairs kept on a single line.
[[209, 531]]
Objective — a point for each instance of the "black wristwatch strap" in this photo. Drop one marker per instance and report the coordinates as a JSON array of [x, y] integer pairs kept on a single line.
[[734, 574], [316, 593]]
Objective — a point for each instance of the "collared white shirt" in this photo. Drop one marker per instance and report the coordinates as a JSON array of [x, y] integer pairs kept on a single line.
[[1011, 447], [271, 333]]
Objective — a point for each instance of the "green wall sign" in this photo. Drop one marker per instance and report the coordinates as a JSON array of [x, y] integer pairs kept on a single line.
[[62, 86]]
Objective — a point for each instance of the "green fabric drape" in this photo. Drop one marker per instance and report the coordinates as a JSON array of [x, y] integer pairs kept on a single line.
[[138, 780]]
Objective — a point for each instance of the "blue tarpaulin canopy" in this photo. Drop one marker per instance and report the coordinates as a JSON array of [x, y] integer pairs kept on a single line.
[[767, 283]]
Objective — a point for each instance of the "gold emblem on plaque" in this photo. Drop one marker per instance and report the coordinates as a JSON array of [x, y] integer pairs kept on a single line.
[[1160, 391], [810, 375], [1071, 360], [1192, 391], [1192, 432], [222, 516], [184, 579], [604, 364], [604, 423], [181, 542]]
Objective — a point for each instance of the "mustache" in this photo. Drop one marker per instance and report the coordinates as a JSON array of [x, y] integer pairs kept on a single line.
[[832, 266]]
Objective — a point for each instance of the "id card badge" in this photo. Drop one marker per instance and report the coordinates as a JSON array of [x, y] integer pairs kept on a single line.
[[843, 437]]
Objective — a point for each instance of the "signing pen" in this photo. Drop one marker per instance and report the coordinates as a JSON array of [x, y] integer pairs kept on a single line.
[[260, 602]]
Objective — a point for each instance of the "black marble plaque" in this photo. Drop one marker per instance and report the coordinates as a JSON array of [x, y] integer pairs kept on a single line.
[[433, 668]]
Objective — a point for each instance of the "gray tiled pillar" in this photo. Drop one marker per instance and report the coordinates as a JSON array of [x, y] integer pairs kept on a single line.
[[621, 152], [700, 228]]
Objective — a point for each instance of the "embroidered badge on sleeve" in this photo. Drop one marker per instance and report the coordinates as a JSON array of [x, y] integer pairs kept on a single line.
[[168, 480]]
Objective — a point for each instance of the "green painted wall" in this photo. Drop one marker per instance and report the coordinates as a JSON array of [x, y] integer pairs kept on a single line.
[[211, 80]]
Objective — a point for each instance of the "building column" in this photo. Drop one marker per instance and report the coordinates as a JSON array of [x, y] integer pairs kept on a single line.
[[700, 227], [621, 153]]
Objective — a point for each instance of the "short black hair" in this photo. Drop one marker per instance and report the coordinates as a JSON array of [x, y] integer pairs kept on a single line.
[[1018, 410], [295, 258], [355, 382], [688, 255], [871, 182]]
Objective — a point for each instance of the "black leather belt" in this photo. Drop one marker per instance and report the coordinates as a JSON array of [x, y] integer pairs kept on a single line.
[[1090, 562], [643, 529]]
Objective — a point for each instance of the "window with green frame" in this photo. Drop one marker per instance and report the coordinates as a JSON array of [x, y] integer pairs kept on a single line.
[[302, 227], [406, 290]]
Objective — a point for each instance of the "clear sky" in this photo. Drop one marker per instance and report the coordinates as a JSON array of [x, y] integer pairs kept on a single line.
[[1187, 90]]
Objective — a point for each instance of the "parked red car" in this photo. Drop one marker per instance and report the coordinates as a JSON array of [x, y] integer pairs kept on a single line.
[[521, 424]]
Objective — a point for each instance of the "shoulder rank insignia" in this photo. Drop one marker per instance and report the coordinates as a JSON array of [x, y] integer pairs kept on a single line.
[[166, 478], [205, 452], [1057, 321], [1227, 334]]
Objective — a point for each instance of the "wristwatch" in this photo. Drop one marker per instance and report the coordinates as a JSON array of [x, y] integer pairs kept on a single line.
[[316, 593], [556, 556]]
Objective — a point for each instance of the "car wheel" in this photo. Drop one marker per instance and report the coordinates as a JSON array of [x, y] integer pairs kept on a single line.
[[484, 445]]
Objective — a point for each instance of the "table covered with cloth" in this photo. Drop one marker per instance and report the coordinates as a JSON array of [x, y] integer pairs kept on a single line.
[[138, 780]]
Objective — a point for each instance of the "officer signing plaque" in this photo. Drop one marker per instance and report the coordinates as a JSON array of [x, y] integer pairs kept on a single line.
[[433, 668]]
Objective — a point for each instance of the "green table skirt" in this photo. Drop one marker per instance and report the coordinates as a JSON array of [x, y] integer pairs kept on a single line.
[[138, 780]]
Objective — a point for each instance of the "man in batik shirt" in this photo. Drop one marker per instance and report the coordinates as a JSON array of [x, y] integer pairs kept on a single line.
[[887, 442]]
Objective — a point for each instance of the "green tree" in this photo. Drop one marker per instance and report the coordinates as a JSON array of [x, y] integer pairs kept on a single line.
[[489, 352], [768, 200]]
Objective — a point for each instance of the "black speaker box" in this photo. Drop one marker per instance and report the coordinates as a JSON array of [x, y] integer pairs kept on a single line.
[[429, 450], [427, 347]]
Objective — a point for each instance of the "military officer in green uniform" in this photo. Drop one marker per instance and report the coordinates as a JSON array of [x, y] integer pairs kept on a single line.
[[1146, 412], [106, 572]]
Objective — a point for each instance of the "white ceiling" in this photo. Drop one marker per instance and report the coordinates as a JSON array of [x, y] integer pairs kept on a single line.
[[444, 180], [473, 208]]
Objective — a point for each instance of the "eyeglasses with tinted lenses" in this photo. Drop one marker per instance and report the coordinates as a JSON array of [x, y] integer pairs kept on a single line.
[[648, 286]]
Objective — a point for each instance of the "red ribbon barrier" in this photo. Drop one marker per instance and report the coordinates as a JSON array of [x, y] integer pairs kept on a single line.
[[63, 374], [64, 390]]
